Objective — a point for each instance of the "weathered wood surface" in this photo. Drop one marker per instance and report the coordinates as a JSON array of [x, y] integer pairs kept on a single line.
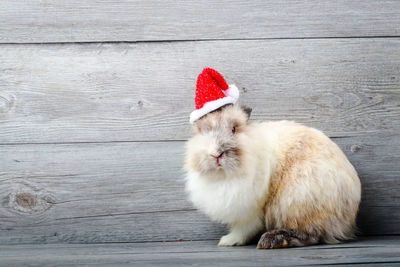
[[382, 251], [142, 92], [91, 135], [91, 193], [43, 21], [134, 192]]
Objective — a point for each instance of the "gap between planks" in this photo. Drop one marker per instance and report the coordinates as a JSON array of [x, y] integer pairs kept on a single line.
[[206, 40], [93, 142], [123, 141], [322, 246]]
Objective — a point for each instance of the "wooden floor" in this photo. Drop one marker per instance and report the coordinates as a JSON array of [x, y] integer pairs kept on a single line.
[[95, 98], [382, 251]]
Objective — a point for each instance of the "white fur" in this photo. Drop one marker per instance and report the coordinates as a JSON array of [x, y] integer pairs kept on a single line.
[[229, 201], [238, 199]]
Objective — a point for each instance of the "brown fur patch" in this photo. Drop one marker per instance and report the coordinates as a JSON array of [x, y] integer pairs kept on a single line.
[[296, 153], [229, 115], [285, 175]]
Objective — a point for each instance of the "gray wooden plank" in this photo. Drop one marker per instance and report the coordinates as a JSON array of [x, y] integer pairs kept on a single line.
[[136, 92], [133, 192], [125, 20], [96, 193], [378, 250]]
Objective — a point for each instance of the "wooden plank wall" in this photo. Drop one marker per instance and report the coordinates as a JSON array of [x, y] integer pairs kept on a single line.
[[39, 21], [95, 98]]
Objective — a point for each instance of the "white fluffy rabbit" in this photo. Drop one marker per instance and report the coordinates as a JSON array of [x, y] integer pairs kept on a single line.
[[282, 178]]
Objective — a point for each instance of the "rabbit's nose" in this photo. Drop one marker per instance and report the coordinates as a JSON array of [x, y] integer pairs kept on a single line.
[[217, 156]]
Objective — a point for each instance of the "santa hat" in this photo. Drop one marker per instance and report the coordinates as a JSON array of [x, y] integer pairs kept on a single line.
[[212, 92]]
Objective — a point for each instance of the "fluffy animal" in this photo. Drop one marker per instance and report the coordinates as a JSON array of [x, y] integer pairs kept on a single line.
[[280, 178]]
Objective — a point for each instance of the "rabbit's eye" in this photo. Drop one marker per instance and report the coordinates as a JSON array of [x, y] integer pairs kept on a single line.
[[233, 129]]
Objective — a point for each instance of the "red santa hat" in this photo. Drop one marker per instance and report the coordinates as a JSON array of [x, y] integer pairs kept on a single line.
[[212, 92]]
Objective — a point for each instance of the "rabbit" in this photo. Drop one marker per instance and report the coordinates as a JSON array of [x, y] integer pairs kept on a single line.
[[280, 178]]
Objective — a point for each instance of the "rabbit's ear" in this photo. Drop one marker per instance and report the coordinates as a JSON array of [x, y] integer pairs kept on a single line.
[[247, 110]]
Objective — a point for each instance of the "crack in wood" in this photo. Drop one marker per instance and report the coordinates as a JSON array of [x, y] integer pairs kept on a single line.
[[123, 214]]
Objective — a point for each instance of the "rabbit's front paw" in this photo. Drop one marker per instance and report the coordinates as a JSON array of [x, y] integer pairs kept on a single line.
[[231, 239]]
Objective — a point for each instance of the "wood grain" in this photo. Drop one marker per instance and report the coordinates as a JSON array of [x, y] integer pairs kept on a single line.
[[134, 192], [382, 251], [44, 21], [94, 105], [145, 92]]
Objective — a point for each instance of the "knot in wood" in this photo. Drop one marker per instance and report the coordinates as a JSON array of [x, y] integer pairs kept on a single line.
[[138, 106], [355, 148], [6, 102], [26, 200]]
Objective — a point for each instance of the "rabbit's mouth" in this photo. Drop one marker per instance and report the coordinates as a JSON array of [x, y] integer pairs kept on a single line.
[[218, 161], [223, 163]]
